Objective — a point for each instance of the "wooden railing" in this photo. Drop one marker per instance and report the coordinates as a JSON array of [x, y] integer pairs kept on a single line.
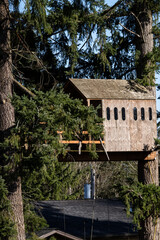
[[77, 141], [82, 141]]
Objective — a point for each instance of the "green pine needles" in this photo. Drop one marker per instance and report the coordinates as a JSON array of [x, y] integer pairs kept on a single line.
[[144, 201], [34, 139], [6, 225], [33, 147]]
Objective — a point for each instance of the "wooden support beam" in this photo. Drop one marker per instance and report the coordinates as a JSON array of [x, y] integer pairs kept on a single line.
[[151, 156], [73, 156], [83, 142]]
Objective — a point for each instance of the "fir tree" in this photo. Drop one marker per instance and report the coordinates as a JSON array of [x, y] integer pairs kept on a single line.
[[36, 13], [6, 225], [61, 34], [34, 144], [142, 202]]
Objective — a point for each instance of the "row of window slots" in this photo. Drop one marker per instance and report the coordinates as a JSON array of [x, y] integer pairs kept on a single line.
[[123, 112]]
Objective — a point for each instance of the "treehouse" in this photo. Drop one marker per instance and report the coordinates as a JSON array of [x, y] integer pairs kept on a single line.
[[129, 113]]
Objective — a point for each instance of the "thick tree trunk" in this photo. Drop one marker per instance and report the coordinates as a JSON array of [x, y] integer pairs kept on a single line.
[[144, 43], [15, 198], [148, 174], [7, 113], [147, 170]]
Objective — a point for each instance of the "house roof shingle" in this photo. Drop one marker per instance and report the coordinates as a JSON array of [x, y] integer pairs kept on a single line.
[[103, 218]]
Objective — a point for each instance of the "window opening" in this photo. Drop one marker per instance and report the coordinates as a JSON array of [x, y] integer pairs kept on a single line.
[[150, 113], [142, 114], [115, 113], [135, 113], [97, 103], [123, 114], [108, 113]]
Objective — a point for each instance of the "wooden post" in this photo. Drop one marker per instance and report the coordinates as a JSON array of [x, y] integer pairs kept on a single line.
[[90, 138]]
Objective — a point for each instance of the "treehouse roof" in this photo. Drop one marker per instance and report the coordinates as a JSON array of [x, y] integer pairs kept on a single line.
[[111, 89]]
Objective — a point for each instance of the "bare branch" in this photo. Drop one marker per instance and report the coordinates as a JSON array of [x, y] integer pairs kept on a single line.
[[39, 62], [88, 37], [130, 30], [139, 24], [23, 88]]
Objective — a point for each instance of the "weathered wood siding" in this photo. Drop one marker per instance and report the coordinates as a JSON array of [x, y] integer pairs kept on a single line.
[[129, 134]]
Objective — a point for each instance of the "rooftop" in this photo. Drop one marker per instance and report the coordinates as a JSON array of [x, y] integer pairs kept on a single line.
[[111, 89], [82, 218]]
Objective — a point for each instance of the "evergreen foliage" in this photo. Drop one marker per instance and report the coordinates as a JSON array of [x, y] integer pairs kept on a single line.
[[34, 144], [6, 225], [51, 41], [85, 39], [33, 236], [55, 180], [110, 174], [158, 117], [144, 200], [64, 44], [81, 39], [33, 222], [35, 140]]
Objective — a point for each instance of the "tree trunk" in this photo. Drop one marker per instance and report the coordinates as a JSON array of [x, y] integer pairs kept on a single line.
[[148, 174], [15, 198], [7, 113], [147, 170], [144, 44]]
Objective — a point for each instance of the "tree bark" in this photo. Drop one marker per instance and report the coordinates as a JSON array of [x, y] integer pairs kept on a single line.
[[144, 44], [15, 197], [147, 170], [7, 117], [148, 174]]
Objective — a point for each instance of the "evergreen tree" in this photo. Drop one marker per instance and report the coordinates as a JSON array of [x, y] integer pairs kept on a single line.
[[55, 180], [143, 207], [7, 113], [6, 225], [12, 166], [34, 144], [55, 39]]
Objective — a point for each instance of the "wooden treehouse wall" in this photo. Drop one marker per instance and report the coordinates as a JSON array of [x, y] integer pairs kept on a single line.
[[126, 133]]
